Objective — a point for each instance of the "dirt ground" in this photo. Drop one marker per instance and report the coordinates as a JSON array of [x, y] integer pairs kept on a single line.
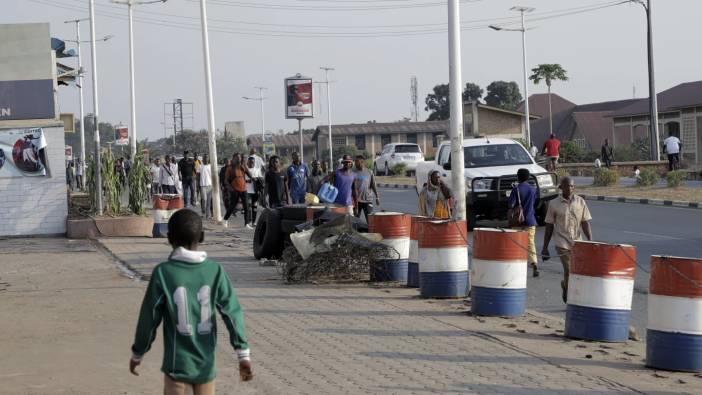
[[686, 194], [68, 319]]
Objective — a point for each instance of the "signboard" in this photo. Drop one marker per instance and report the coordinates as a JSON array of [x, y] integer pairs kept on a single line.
[[69, 122], [22, 153], [69, 152], [32, 99], [298, 97], [121, 135], [268, 149]]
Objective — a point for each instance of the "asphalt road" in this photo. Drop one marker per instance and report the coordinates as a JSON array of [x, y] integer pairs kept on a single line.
[[654, 230]]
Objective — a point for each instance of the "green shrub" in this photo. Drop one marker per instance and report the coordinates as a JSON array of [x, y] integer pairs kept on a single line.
[[605, 177], [675, 178], [399, 169], [647, 177]]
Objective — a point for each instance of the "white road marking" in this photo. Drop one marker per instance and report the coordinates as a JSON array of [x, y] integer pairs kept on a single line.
[[652, 235]]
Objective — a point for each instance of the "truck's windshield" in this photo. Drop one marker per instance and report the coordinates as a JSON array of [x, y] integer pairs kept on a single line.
[[495, 155]]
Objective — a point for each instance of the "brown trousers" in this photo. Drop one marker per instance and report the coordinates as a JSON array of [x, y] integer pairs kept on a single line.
[[173, 387], [565, 261]]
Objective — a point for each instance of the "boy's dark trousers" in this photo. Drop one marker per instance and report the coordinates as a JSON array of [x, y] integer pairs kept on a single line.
[[253, 204], [234, 198]]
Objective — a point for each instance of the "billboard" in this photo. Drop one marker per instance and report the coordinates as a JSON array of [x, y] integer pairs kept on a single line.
[[298, 97], [22, 153], [121, 135], [69, 152]]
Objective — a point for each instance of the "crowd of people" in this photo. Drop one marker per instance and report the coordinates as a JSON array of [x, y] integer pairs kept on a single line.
[[247, 182]]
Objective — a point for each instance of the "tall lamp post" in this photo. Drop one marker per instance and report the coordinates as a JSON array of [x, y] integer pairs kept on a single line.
[[93, 66], [77, 41], [132, 102], [329, 122], [260, 99], [652, 98], [456, 108], [522, 11], [212, 143]]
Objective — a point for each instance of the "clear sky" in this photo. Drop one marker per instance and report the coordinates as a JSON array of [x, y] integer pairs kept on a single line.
[[374, 45]]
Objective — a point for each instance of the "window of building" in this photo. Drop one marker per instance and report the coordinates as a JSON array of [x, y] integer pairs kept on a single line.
[[385, 139], [436, 139], [338, 141], [412, 138], [361, 141]]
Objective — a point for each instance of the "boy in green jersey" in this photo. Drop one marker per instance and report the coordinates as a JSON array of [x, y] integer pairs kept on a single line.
[[183, 292]]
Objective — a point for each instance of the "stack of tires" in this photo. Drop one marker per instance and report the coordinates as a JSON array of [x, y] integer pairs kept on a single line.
[[274, 227]]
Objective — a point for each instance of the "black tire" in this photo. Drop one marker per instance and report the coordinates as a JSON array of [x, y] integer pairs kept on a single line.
[[266, 243], [471, 218], [541, 214], [288, 225], [297, 212]]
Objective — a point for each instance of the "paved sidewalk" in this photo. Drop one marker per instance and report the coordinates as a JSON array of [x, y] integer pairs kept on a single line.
[[367, 339]]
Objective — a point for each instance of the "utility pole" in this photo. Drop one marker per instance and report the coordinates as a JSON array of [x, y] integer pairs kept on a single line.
[[98, 163], [132, 100], [80, 100], [212, 143], [263, 119], [413, 97], [527, 123], [456, 109], [652, 98], [329, 122]]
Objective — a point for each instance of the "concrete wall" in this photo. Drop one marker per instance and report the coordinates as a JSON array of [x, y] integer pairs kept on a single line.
[[37, 205]]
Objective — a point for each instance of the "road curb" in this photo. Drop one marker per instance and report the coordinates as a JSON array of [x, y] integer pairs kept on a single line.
[[601, 198]]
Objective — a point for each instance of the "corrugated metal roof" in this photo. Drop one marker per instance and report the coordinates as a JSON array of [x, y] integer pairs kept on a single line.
[[287, 140], [384, 128]]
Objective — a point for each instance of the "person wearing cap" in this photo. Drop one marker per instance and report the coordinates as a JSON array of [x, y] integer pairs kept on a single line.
[[365, 188], [343, 180], [297, 179]]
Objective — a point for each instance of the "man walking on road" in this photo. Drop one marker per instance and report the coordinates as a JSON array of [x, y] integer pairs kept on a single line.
[[551, 151], [297, 179], [205, 187], [672, 146], [566, 216], [365, 184], [253, 186], [523, 196], [186, 169], [275, 181], [155, 172], [236, 177], [607, 154], [169, 174], [343, 180], [258, 161]]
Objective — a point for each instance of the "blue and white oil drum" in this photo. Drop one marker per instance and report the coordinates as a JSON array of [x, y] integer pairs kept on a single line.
[[600, 289], [161, 217], [499, 272], [395, 229], [674, 334], [443, 259]]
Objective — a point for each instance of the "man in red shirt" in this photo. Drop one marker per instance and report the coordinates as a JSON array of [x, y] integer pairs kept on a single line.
[[551, 147]]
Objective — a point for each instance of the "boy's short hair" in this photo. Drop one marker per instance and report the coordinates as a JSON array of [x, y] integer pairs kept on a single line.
[[184, 228], [523, 175], [361, 156]]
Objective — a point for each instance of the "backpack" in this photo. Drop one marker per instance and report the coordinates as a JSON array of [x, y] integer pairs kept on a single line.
[[515, 215]]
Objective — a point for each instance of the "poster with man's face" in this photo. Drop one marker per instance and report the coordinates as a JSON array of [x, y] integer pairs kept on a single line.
[[22, 153], [298, 100], [121, 135]]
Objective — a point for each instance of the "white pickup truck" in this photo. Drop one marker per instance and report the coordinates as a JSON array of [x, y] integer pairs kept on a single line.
[[491, 166]]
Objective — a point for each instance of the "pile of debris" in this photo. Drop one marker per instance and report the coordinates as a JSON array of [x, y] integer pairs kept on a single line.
[[333, 251]]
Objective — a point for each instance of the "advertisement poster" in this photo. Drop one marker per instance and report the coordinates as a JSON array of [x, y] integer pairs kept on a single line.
[[121, 135], [22, 153], [69, 152], [298, 102]]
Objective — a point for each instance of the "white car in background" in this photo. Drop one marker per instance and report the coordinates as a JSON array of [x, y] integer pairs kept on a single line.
[[396, 153]]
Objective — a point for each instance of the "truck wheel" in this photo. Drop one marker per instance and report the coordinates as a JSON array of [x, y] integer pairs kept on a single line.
[[266, 242], [471, 218], [541, 214]]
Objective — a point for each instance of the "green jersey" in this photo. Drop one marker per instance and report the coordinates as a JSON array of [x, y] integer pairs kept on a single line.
[[183, 292]]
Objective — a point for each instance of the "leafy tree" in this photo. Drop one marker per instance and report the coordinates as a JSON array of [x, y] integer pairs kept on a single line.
[[503, 94], [439, 104], [548, 73]]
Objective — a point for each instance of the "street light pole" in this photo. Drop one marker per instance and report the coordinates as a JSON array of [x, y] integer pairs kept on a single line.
[[456, 109], [329, 122], [132, 94], [522, 10], [93, 60], [80, 101], [652, 98], [263, 120], [212, 143]]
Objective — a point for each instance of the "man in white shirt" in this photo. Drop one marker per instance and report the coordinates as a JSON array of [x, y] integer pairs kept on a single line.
[[252, 191], [533, 151], [204, 172], [672, 146], [155, 171], [258, 161], [169, 176]]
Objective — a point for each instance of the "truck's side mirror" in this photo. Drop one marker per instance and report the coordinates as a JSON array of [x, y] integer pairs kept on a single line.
[[447, 165]]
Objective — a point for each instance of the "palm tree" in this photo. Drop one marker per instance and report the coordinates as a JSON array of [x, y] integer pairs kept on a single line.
[[548, 73]]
